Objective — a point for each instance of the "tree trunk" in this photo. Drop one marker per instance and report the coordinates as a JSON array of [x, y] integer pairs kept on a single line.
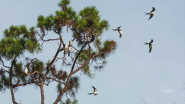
[[11, 89], [42, 93], [59, 97], [11, 86], [13, 98]]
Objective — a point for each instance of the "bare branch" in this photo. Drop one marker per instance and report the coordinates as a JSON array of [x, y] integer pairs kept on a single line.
[[75, 49], [52, 61], [87, 62], [55, 80], [17, 85], [142, 100], [3, 63]]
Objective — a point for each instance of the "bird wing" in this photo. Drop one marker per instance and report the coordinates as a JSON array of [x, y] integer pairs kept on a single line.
[[150, 46], [151, 41], [115, 29], [146, 43], [94, 88], [147, 13], [120, 34], [90, 93], [153, 9], [151, 15]]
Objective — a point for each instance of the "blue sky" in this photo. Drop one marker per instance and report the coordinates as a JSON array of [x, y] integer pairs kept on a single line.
[[131, 72]]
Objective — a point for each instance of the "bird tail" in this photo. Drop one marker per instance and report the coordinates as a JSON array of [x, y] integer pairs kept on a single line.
[[120, 35], [114, 29], [147, 13], [90, 93], [146, 43]]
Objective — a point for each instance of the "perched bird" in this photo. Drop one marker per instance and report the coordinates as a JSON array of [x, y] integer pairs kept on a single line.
[[95, 91], [119, 30], [65, 48], [69, 51], [71, 43], [93, 38], [26, 71], [150, 45], [151, 13]]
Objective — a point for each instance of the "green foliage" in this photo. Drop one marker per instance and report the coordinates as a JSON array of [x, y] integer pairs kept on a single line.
[[74, 86], [37, 66], [109, 47], [63, 4], [84, 25], [68, 101], [4, 82], [17, 39], [59, 88]]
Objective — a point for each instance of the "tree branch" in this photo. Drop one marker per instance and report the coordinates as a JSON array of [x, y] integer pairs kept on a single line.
[[75, 49], [66, 87], [3, 63], [55, 80], [87, 62], [17, 85], [52, 61], [142, 100]]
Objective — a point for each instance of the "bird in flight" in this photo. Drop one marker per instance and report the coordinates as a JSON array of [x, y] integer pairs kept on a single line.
[[95, 91], [150, 45], [151, 13], [119, 30]]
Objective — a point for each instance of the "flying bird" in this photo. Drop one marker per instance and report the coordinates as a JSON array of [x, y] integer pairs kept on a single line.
[[119, 30], [150, 45], [71, 43], [151, 13], [95, 91]]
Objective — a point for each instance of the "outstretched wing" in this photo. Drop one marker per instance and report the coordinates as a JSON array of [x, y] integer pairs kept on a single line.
[[90, 93], [150, 48], [94, 88], [153, 9], [151, 41], [147, 13], [146, 43], [115, 29], [151, 15], [120, 34]]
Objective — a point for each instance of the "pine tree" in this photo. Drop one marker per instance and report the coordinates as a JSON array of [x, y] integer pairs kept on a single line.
[[87, 27]]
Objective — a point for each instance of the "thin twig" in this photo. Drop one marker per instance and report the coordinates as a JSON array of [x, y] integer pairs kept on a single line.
[[143, 100]]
